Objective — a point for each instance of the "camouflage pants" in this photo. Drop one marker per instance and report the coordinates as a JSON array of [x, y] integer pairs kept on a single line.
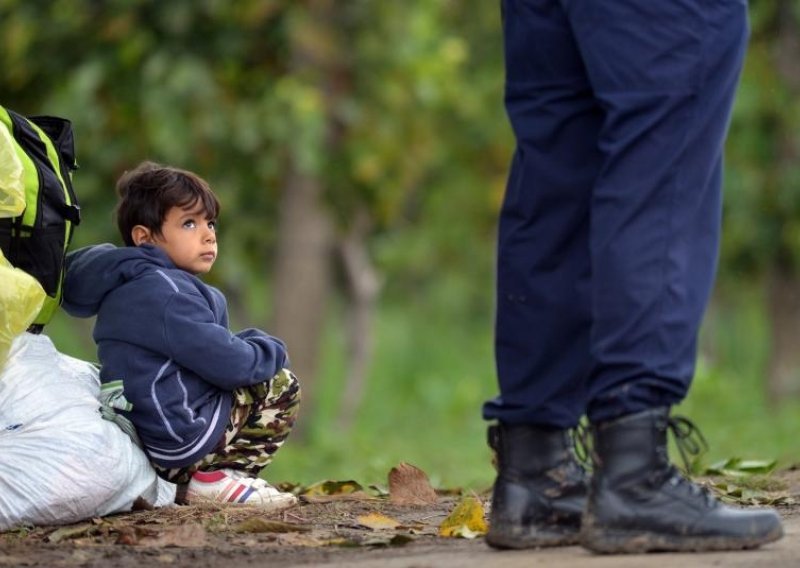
[[261, 419]]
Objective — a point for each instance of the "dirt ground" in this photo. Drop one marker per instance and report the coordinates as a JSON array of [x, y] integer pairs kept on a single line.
[[357, 530]]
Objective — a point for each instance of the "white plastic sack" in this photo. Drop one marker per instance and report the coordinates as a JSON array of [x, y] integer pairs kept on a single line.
[[60, 461], [21, 298]]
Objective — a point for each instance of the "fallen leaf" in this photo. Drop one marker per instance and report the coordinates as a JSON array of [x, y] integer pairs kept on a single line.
[[733, 467], [466, 520], [377, 521], [259, 525], [329, 487], [463, 531], [71, 531], [409, 485]]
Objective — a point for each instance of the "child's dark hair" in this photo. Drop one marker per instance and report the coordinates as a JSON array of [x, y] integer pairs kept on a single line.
[[150, 190]]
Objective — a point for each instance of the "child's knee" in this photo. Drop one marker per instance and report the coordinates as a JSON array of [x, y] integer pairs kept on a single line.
[[284, 381], [283, 389]]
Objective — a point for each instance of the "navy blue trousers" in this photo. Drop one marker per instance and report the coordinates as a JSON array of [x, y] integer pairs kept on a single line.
[[609, 231]]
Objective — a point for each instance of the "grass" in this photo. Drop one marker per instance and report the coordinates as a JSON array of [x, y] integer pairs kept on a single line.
[[421, 406], [727, 399]]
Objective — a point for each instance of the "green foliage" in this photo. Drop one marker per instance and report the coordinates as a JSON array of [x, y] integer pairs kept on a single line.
[[736, 467], [397, 108], [423, 403], [414, 96], [762, 207], [727, 399], [430, 377]]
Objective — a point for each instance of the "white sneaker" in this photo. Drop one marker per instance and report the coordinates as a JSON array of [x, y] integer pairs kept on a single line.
[[231, 486]]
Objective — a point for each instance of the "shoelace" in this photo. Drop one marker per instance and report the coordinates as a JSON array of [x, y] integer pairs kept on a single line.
[[690, 443], [582, 443], [688, 439]]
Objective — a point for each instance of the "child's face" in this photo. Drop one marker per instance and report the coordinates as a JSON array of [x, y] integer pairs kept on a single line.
[[189, 238]]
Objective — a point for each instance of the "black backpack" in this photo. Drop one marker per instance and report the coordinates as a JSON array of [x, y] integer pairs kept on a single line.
[[36, 241]]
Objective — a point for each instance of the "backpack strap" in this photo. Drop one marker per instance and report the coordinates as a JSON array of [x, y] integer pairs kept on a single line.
[[59, 130]]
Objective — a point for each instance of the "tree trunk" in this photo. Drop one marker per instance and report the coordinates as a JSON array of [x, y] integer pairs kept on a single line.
[[783, 377], [302, 279], [363, 286]]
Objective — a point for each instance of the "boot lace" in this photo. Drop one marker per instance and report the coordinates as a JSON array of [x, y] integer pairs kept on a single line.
[[691, 444], [688, 439], [582, 444]]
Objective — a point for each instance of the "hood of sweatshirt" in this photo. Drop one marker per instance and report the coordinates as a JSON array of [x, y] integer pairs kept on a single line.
[[94, 271]]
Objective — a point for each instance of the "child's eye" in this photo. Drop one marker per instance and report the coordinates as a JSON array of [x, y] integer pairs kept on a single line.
[[189, 224], [212, 225]]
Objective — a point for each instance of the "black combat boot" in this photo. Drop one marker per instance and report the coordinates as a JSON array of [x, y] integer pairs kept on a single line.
[[639, 502], [540, 490]]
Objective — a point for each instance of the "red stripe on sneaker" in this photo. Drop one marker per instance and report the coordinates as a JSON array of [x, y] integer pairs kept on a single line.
[[227, 490], [236, 493], [209, 476]]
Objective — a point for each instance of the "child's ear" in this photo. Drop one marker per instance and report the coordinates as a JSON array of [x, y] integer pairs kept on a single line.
[[141, 235]]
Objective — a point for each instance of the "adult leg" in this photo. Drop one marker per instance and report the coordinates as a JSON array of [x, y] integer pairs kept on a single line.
[[543, 309], [543, 270], [666, 74]]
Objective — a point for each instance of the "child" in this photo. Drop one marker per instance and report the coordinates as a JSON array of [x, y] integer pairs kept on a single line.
[[211, 407]]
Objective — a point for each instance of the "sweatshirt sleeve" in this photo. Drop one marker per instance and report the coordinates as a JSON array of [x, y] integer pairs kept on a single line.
[[209, 349]]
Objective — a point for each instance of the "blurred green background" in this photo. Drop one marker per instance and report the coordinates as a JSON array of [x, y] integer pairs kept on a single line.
[[359, 149]]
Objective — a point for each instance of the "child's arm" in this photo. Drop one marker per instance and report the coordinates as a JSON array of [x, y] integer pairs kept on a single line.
[[197, 342]]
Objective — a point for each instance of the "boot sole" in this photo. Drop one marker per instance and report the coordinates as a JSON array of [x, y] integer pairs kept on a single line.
[[632, 542], [523, 538]]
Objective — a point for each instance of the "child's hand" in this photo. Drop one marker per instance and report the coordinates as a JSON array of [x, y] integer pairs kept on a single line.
[[281, 349]]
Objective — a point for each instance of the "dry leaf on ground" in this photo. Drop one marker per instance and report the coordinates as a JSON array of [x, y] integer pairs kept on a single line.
[[378, 521], [466, 520], [71, 531], [330, 487], [409, 485]]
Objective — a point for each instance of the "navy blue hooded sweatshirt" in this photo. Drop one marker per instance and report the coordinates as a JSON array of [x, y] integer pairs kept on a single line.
[[164, 333]]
